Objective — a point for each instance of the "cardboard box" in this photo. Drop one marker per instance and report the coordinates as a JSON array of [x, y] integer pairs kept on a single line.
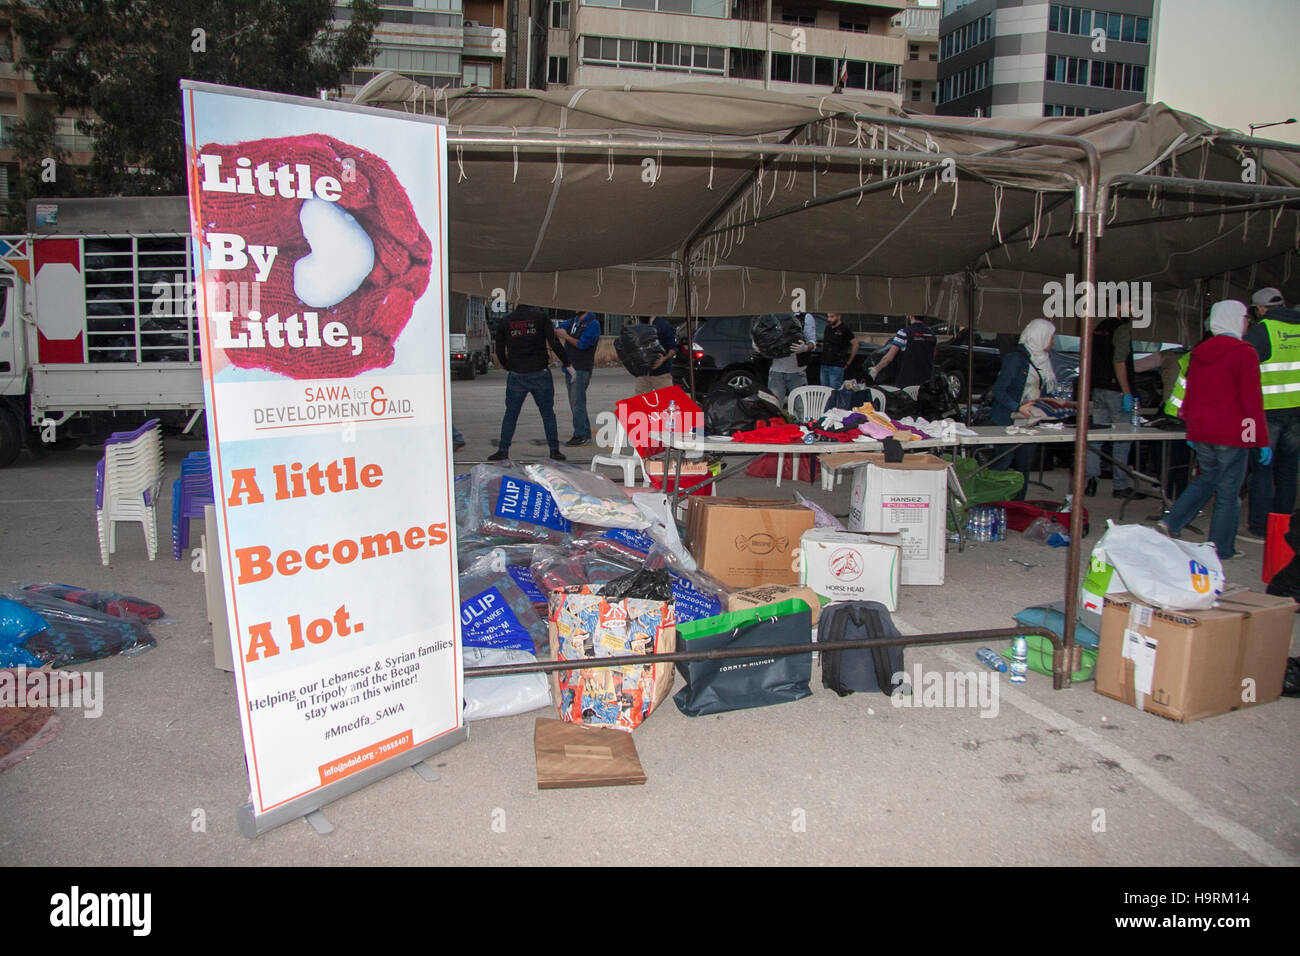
[[1187, 665], [849, 566], [774, 594], [747, 542], [909, 497]]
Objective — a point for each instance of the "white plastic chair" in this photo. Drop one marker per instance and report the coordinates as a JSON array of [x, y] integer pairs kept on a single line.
[[128, 482], [804, 403], [628, 461]]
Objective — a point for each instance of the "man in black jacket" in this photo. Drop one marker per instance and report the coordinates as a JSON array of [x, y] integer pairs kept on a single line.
[[522, 339]]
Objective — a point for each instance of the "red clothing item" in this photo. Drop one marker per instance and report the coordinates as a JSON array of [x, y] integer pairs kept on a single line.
[[778, 434], [1224, 404]]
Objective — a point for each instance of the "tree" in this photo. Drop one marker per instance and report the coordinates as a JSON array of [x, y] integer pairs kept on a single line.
[[119, 63]]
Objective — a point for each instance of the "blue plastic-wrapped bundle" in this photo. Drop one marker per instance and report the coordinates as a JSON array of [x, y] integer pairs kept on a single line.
[[495, 611], [507, 504], [76, 634]]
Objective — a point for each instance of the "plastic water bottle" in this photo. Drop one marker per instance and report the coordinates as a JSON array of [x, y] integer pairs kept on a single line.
[[1019, 659], [1135, 417], [992, 659], [670, 423]]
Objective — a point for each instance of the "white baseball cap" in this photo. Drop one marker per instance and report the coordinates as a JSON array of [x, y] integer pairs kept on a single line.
[[1267, 296]]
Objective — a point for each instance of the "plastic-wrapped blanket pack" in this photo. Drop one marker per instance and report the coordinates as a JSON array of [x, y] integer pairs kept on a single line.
[[109, 602], [580, 563], [505, 503], [518, 560], [587, 497], [495, 612], [696, 594], [74, 634], [505, 695]]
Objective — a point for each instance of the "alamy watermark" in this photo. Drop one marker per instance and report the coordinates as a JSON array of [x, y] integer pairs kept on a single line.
[[1102, 300], [20, 687], [922, 688]]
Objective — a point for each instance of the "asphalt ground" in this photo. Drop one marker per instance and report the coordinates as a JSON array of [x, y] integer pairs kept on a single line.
[[1053, 777]]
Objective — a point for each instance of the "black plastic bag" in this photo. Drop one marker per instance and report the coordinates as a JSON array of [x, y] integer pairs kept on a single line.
[[728, 410], [775, 335], [639, 350], [648, 585]]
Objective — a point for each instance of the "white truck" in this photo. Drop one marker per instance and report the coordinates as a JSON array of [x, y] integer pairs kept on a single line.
[[97, 317], [468, 340]]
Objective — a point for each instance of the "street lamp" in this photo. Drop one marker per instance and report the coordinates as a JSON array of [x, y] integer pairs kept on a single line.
[[1255, 126]]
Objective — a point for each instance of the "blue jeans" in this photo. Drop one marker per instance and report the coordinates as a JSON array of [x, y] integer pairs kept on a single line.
[[832, 376], [1273, 486], [519, 385], [1223, 468], [1108, 408], [578, 383], [782, 384]]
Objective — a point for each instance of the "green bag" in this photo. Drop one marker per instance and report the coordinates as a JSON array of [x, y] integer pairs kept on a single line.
[[1039, 658], [982, 489], [737, 683]]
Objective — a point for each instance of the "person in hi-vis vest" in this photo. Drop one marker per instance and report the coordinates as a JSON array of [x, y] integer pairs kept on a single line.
[[1276, 338]]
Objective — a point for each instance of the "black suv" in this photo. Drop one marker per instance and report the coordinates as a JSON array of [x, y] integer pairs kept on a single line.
[[724, 352]]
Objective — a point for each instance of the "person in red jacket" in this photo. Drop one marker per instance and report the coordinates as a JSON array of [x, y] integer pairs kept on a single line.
[[1224, 410]]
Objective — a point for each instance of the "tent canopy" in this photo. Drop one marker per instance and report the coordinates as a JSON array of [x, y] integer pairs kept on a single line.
[[776, 202]]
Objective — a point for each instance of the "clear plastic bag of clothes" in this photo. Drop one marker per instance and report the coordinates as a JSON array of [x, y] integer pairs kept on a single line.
[[696, 594], [620, 542], [108, 602], [507, 503], [578, 564], [508, 694], [586, 497], [495, 611]]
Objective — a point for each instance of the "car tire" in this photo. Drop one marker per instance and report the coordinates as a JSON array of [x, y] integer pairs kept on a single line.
[[956, 381], [742, 378], [11, 437]]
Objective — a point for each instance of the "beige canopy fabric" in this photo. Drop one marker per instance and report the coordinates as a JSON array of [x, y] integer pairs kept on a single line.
[[681, 186]]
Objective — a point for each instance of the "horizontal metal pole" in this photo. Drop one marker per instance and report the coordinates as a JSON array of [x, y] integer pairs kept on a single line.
[[1257, 143], [1199, 186], [779, 650]]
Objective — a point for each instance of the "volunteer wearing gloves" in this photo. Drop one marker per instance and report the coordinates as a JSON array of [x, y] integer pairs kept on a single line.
[[1224, 411], [1026, 375], [785, 375]]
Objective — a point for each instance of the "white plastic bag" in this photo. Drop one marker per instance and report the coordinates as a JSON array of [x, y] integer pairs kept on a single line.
[[1166, 573], [503, 696], [654, 506]]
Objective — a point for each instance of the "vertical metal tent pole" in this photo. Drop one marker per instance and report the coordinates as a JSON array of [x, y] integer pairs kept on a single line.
[[685, 266], [1062, 669], [970, 344]]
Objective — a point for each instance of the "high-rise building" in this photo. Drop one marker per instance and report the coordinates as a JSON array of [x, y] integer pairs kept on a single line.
[[1036, 58], [789, 45], [919, 26]]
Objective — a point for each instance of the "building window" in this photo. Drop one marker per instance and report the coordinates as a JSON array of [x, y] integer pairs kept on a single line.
[[802, 18], [965, 37], [914, 51], [822, 70], [1125, 27], [698, 8], [745, 64], [557, 69], [1052, 109], [964, 83], [1129, 77], [477, 74], [560, 14], [854, 26], [653, 55]]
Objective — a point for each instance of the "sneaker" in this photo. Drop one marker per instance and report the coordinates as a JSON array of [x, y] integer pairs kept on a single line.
[[575, 442], [557, 455], [1164, 529], [502, 455], [1090, 488]]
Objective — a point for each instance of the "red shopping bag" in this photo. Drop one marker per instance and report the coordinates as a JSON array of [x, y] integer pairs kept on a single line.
[[1277, 553], [645, 414]]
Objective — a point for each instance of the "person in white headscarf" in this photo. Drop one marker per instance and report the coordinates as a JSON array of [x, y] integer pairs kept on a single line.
[[1224, 411], [1027, 374]]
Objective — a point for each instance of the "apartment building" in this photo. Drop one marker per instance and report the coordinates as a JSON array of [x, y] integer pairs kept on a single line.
[[785, 45], [1037, 58], [919, 26], [19, 97]]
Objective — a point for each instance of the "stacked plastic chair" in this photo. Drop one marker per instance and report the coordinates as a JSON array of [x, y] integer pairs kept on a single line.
[[190, 493], [128, 481]]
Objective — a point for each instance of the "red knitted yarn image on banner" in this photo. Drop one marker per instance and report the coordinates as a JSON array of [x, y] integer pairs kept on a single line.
[[378, 309]]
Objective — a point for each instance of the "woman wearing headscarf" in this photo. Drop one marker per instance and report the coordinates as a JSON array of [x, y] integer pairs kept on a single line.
[[1224, 411], [1026, 376]]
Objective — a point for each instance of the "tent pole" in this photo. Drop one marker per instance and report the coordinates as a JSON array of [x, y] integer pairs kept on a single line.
[[690, 327], [1092, 215], [970, 343]]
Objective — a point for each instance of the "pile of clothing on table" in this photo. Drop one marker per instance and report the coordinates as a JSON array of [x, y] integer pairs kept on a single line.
[[860, 424]]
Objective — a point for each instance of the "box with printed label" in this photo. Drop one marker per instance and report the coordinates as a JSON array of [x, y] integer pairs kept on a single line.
[[848, 566], [909, 498], [747, 542], [1187, 665]]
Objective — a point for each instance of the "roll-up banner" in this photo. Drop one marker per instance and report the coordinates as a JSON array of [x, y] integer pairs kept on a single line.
[[320, 242]]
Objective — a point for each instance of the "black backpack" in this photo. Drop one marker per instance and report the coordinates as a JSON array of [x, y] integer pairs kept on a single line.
[[861, 670], [775, 335], [638, 348]]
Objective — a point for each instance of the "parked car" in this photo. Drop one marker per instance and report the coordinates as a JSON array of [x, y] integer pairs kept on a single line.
[[950, 357], [724, 352]]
